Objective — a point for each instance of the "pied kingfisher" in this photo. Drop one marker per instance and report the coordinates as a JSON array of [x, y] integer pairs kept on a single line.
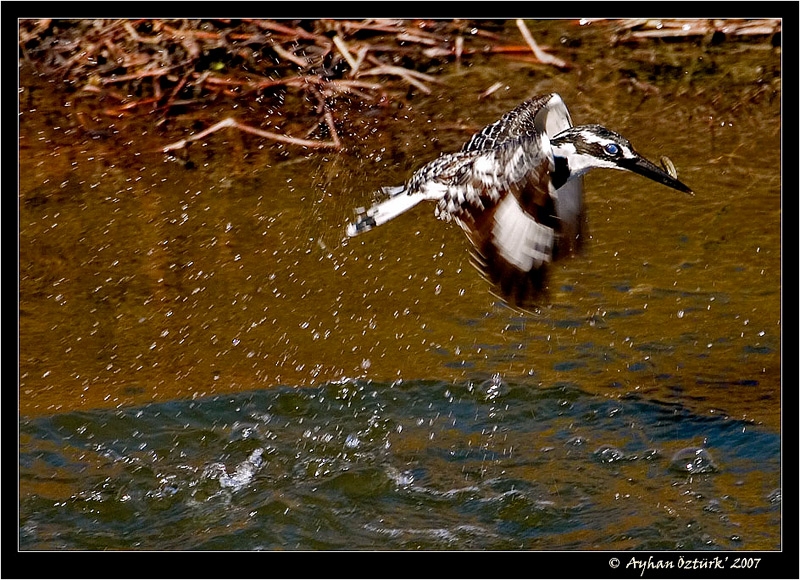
[[516, 189]]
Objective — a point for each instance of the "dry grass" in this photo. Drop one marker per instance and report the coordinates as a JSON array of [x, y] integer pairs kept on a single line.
[[306, 70]]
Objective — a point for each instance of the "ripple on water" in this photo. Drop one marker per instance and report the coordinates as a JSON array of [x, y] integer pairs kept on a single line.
[[487, 464]]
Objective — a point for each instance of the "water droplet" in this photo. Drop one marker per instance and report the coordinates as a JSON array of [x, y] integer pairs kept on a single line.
[[493, 387]]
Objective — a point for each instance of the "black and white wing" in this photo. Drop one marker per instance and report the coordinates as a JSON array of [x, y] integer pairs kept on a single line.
[[546, 114], [498, 189], [503, 199], [551, 119], [535, 225]]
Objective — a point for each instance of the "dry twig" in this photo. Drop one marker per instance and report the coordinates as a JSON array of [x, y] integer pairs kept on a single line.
[[231, 122], [541, 56]]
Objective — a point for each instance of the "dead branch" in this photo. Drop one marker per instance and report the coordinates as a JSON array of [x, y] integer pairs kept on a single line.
[[541, 56], [231, 122]]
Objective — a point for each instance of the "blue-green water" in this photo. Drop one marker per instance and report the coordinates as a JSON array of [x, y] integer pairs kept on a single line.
[[423, 465]]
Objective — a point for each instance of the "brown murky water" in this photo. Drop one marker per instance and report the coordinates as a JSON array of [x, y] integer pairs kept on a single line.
[[147, 280]]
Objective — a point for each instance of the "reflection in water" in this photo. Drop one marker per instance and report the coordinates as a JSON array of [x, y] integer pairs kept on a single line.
[[425, 465]]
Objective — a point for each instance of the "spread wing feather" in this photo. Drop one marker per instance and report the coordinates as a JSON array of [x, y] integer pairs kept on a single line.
[[497, 188]]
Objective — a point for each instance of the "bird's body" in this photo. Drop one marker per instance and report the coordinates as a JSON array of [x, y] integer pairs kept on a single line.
[[516, 189]]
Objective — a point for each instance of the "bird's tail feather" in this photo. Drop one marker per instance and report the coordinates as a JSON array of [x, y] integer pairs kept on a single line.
[[382, 212]]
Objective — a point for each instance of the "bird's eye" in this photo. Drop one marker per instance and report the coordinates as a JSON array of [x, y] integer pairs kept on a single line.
[[611, 149]]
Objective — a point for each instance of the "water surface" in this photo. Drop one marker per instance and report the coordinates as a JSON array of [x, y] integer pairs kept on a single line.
[[207, 362], [425, 465]]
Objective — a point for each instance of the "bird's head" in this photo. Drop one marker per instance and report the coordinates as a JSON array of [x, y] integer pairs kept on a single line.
[[585, 147]]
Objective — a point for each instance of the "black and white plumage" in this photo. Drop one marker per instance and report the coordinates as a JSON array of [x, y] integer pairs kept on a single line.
[[516, 189]]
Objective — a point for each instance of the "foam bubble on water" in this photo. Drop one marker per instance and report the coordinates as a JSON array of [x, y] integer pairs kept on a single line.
[[401, 478], [352, 441], [609, 454], [576, 441], [693, 460], [494, 387], [245, 471]]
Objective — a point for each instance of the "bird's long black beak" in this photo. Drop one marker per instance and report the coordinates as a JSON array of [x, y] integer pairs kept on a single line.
[[652, 171]]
